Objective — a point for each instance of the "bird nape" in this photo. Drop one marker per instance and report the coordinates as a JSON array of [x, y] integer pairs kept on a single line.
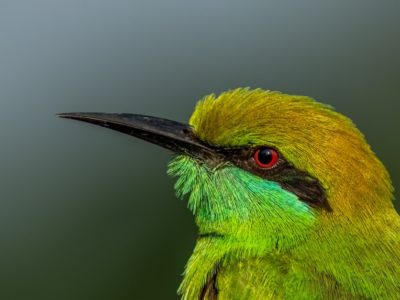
[[289, 199]]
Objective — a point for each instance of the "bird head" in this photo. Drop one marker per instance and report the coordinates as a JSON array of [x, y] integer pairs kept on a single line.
[[262, 167]]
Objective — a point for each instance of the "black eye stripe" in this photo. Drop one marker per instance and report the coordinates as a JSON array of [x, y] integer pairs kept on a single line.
[[296, 181]]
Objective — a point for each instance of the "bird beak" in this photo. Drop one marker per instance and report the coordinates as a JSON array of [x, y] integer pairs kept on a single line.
[[171, 135]]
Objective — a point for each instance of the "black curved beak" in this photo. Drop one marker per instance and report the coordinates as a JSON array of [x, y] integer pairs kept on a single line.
[[175, 136]]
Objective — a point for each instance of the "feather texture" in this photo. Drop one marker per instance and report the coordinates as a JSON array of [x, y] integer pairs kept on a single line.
[[258, 240]]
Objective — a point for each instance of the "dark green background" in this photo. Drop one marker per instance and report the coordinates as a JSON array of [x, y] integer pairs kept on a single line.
[[86, 213]]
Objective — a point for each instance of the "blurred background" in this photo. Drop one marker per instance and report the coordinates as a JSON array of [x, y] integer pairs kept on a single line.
[[86, 213]]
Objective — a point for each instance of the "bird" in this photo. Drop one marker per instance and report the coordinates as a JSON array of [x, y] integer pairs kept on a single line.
[[288, 197]]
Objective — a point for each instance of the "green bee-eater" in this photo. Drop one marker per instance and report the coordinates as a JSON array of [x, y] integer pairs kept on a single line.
[[289, 199]]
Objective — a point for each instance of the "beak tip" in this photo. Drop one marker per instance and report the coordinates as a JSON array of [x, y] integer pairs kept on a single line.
[[63, 115], [69, 115]]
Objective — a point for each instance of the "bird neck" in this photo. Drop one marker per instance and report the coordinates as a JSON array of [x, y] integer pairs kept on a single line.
[[346, 247], [352, 251]]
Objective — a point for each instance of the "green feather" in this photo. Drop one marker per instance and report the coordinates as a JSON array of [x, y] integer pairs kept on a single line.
[[258, 240]]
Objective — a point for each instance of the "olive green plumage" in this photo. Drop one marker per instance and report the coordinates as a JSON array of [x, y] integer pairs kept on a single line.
[[264, 242]]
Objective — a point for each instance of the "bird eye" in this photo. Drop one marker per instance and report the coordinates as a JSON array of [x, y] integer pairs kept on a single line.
[[266, 158]]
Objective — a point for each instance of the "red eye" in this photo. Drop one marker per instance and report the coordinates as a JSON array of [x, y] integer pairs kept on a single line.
[[266, 158]]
